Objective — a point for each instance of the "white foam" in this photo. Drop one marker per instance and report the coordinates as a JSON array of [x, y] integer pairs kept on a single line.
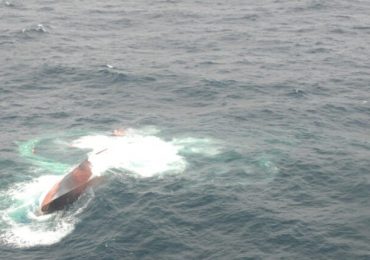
[[145, 156], [23, 226], [33, 235]]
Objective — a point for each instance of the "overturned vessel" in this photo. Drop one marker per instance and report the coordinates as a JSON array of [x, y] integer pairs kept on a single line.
[[68, 189]]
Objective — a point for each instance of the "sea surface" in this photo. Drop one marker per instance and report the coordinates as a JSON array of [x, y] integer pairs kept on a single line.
[[246, 123]]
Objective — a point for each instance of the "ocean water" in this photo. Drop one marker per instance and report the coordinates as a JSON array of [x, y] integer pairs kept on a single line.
[[247, 128]]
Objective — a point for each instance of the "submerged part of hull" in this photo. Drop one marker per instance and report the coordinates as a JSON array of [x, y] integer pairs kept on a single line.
[[68, 189]]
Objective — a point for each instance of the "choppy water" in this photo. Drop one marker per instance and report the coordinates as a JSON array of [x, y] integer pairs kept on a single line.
[[248, 128]]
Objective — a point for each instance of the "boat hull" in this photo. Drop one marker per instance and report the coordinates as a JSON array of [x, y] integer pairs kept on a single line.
[[68, 189]]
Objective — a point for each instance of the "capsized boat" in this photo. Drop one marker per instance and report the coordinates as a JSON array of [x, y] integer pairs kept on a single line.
[[68, 189]]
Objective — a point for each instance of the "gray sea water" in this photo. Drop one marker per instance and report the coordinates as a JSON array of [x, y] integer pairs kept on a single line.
[[248, 128]]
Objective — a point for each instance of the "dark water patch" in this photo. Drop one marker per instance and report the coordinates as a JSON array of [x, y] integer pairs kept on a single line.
[[364, 144], [335, 108], [240, 96], [241, 18], [219, 84], [331, 152], [196, 93], [97, 119], [319, 50], [59, 115], [338, 30], [321, 90], [47, 9], [358, 123], [366, 28], [57, 70]]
